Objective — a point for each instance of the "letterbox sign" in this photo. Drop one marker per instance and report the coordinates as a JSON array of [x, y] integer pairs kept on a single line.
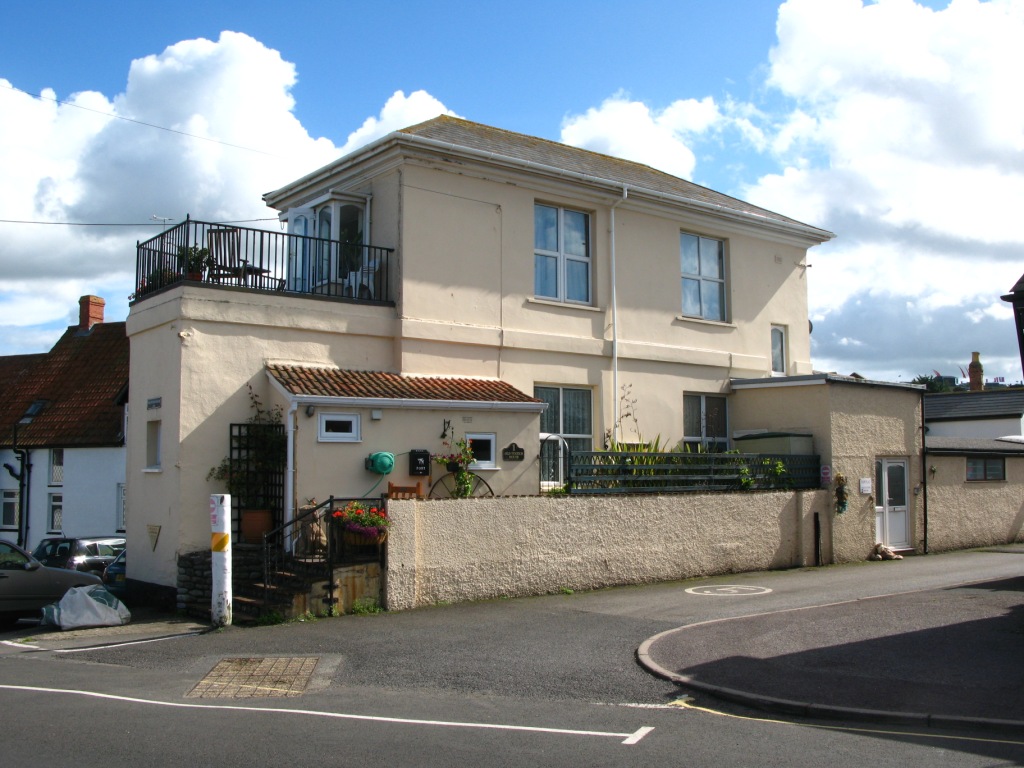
[[419, 462], [513, 453]]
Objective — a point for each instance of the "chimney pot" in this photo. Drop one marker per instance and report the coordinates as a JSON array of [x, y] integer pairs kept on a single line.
[[90, 311], [976, 373]]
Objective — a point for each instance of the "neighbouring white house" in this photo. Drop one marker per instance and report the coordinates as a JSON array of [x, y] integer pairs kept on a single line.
[[452, 280], [62, 433]]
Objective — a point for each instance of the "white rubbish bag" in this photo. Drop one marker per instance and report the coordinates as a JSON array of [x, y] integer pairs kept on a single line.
[[91, 606]]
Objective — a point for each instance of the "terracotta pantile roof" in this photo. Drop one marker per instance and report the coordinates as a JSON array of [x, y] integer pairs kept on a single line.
[[333, 382], [485, 138], [78, 379]]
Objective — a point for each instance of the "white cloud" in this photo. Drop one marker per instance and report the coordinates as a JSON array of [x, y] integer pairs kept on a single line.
[[400, 111], [63, 163], [905, 140], [632, 130]]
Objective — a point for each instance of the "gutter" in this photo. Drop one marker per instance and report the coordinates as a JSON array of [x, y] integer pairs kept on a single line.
[[615, 318]]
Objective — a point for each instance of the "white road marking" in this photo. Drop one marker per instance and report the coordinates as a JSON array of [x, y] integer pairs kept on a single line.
[[628, 738]]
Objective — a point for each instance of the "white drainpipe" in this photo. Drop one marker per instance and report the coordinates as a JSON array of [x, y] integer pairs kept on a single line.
[[615, 323]]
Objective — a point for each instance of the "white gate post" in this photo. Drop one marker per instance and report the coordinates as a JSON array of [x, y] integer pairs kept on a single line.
[[220, 558]]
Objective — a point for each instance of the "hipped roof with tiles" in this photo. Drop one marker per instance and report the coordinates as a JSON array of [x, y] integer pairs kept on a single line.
[[454, 136], [314, 382], [77, 382]]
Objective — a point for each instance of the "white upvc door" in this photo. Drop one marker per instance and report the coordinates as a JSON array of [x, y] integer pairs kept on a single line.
[[892, 518]]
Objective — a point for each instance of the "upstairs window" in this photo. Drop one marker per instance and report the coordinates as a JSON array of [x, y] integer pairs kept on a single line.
[[561, 254], [56, 466], [702, 261]]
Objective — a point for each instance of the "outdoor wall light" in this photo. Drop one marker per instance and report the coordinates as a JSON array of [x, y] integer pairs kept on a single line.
[[310, 410]]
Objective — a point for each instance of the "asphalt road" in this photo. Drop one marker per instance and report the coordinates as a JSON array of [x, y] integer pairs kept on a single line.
[[540, 681]]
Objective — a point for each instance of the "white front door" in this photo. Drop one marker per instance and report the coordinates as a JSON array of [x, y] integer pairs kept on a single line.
[[892, 520]]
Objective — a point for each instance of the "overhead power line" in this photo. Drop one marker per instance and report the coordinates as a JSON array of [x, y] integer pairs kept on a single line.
[[119, 224], [141, 122]]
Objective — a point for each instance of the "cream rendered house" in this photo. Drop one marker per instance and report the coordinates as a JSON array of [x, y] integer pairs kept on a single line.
[[549, 285]]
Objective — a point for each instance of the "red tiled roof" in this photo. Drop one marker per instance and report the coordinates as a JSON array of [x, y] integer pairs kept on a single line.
[[78, 379], [333, 382]]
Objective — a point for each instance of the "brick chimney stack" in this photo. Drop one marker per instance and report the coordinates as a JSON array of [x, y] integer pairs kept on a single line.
[[90, 312], [976, 373]]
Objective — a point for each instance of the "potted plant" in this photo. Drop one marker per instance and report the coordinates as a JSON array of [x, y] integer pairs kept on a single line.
[[361, 525], [457, 461], [249, 472], [193, 260]]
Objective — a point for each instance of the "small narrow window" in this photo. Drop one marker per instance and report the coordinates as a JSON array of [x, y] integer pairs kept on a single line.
[[483, 447], [9, 513], [152, 445], [121, 523], [56, 515], [778, 350], [339, 428], [56, 466]]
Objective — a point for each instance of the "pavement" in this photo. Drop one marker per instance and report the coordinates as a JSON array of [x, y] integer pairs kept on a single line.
[[944, 658]]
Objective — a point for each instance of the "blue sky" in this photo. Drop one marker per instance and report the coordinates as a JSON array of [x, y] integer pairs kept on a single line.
[[885, 123]]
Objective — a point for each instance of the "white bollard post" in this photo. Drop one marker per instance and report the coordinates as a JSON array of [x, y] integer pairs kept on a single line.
[[220, 558]]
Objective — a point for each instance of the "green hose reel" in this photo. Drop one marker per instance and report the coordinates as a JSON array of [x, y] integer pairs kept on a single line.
[[380, 462]]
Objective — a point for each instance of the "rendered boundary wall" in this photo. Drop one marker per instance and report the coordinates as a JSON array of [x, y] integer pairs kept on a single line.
[[473, 549]]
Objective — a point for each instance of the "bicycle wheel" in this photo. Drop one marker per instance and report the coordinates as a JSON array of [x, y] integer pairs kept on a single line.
[[444, 487]]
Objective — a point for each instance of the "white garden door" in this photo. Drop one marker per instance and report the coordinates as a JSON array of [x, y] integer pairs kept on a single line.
[[892, 518]]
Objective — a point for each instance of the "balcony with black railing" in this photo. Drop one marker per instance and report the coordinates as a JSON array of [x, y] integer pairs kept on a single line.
[[243, 258]]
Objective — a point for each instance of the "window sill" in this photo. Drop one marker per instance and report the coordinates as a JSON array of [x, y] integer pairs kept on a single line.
[[152, 470], [563, 304], [702, 321]]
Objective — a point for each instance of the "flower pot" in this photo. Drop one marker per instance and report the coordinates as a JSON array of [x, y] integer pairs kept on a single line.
[[453, 466], [254, 523]]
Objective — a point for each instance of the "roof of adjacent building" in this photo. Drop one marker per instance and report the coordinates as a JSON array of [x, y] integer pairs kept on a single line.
[[504, 147], [77, 382], [965, 445], [967, 406], [324, 382]]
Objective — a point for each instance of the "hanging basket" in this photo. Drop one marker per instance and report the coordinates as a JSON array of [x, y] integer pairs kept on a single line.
[[362, 540]]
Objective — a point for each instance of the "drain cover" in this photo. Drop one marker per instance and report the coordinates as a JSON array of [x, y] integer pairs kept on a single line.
[[255, 678]]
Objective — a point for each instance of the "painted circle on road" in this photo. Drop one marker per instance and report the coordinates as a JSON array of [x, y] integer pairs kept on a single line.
[[728, 590]]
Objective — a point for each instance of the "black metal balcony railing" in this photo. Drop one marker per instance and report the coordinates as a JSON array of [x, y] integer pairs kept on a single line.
[[224, 255]]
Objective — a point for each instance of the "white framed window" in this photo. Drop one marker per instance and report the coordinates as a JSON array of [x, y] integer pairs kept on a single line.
[[9, 509], [55, 514], [121, 508], [56, 466], [153, 429], [779, 350], [702, 261], [705, 423], [561, 254], [566, 425], [484, 446], [339, 428]]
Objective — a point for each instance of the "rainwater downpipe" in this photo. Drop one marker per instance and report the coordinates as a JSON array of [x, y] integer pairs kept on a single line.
[[615, 320], [289, 475]]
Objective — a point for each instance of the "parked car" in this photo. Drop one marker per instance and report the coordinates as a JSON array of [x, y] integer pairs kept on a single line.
[[114, 575], [91, 554], [26, 585]]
